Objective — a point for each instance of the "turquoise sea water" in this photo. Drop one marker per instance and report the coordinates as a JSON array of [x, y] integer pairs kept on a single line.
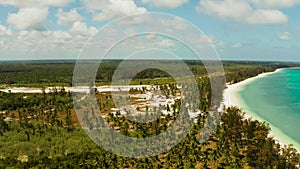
[[275, 98]]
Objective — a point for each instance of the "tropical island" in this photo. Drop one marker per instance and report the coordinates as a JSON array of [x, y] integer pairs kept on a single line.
[[40, 128]]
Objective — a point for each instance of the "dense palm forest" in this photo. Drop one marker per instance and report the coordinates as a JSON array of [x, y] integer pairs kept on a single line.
[[42, 130], [59, 73]]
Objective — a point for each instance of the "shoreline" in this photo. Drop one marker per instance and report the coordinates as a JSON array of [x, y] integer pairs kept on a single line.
[[231, 98], [105, 88]]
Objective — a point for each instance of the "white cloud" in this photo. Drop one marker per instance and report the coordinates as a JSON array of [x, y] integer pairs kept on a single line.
[[5, 36], [94, 5], [237, 45], [218, 44], [166, 3], [284, 36], [23, 33], [176, 23], [60, 37], [28, 18], [112, 9], [43, 44], [36, 3], [28, 42], [166, 43], [265, 16], [5, 31], [275, 3], [64, 18], [151, 36], [81, 29], [32, 13], [227, 9], [34, 39], [242, 11]]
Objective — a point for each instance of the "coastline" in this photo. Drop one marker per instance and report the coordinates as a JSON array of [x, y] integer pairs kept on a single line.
[[231, 98]]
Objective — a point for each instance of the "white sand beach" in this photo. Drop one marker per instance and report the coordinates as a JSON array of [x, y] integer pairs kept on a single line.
[[71, 89], [229, 94], [231, 98]]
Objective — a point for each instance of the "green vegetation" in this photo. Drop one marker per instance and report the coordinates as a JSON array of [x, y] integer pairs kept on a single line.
[[42, 130], [59, 73], [37, 73], [237, 143]]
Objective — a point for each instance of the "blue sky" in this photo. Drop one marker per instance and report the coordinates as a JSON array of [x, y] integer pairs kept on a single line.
[[239, 29]]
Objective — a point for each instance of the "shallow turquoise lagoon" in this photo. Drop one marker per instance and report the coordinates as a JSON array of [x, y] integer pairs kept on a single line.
[[275, 98]]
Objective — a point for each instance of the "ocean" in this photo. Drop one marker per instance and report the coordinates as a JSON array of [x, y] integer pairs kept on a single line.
[[275, 99]]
